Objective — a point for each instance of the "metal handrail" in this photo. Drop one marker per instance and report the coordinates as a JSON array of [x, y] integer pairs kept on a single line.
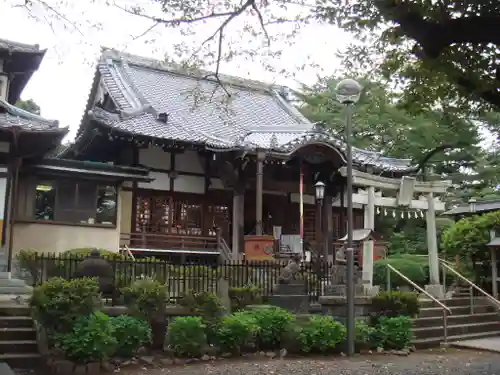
[[471, 284], [225, 250], [446, 309], [441, 304]]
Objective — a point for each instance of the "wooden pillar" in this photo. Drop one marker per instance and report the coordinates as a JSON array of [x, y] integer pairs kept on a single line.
[[259, 192], [238, 221], [328, 228]]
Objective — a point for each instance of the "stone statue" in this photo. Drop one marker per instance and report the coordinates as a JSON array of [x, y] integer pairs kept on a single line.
[[290, 271], [98, 267]]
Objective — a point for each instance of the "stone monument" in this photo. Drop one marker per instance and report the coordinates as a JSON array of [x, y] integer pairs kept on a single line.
[[290, 293], [98, 267]]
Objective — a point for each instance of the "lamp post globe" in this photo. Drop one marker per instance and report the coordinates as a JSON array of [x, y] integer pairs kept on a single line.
[[348, 91]]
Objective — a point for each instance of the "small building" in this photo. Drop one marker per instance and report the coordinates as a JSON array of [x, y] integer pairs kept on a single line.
[[29, 173], [474, 207]]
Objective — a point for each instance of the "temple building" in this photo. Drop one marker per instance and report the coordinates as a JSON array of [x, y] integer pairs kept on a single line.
[[171, 162]]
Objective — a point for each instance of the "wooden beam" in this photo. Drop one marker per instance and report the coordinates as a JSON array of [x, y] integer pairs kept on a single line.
[[385, 183]]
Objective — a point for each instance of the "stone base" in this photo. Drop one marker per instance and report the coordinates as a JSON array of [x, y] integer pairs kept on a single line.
[[298, 304], [371, 290], [435, 290], [341, 290], [337, 306], [12, 286], [295, 287]]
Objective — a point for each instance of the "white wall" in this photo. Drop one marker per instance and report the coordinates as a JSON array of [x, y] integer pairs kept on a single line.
[[188, 161]]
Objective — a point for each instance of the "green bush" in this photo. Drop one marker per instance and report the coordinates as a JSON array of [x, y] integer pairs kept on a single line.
[[273, 323], [84, 252], [365, 335], [186, 336], [90, 340], [241, 297], [391, 304], [414, 267], [397, 332], [235, 331], [319, 334], [206, 305], [130, 334], [58, 303], [146, 298]]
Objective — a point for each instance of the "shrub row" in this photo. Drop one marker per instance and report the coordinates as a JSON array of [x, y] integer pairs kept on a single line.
[[271, 328]]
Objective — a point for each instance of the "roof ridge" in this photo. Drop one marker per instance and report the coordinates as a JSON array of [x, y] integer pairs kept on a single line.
[[194, 73], [15, 111]]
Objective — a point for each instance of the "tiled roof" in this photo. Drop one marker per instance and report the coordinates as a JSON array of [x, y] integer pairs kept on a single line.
[[19, 47], [11, 116], [474, 207], [195, 109]]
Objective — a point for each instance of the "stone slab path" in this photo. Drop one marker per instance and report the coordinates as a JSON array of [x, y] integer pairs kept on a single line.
[[453, 362], [491, 344]]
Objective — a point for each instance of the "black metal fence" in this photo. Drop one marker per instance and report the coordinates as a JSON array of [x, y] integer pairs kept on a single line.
[[179, 278]]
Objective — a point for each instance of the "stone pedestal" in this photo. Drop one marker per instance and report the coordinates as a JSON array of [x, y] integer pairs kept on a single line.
[[435, 290], [337, 306], [291, 296], [13, 287]]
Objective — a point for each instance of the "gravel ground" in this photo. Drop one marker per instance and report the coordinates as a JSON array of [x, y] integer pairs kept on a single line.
[[455, 362], [426, 363]]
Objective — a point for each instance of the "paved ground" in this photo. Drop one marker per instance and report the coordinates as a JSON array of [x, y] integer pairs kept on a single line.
[[490, 344], [455, 362]]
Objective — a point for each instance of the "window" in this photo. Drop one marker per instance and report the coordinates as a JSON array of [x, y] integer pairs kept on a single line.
[[82, 202]]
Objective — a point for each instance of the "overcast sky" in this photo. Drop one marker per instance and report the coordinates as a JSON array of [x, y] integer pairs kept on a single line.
[[62, 84]]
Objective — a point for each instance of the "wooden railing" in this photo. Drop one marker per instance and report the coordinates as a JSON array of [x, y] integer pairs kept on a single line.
[[154, 241]]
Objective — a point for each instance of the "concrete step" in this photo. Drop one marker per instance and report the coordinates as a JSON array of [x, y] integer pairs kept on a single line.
[[18, 346], [430, 342], [10, 309], [456, 301], [437, 321], [22, 360], [16, 322], [456, 329], [7, 334], [455, 310]]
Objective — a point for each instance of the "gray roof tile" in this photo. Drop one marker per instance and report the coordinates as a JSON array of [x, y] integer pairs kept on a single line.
[[12, 116], [253, 116]]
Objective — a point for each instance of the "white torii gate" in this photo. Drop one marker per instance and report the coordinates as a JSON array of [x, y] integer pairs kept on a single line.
[[405, 188]]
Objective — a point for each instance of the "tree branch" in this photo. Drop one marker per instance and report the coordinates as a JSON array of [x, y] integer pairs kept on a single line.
[[433, 38]]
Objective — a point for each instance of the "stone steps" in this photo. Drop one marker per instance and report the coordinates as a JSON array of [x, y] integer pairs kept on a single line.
[[18, 339], [428, 328]]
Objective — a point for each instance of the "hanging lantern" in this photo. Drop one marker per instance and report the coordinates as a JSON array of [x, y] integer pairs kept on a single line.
[[402, 214], [393, 213], [421, 214], [385, 212], [378, 210]]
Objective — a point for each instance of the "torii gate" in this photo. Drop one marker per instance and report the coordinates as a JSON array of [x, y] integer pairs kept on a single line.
[[405, 189]]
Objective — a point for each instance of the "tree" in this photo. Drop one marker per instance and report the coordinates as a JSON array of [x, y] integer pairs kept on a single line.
[[438, 51], [28, 105], [382, 123]]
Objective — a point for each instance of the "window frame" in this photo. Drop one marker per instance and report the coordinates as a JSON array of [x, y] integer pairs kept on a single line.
[[56, 181]]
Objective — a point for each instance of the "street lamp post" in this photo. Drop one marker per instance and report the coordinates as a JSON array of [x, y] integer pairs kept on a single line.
[[320, 195], [348, 92]]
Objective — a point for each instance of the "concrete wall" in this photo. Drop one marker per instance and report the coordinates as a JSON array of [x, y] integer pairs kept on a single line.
[[57, 238]]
